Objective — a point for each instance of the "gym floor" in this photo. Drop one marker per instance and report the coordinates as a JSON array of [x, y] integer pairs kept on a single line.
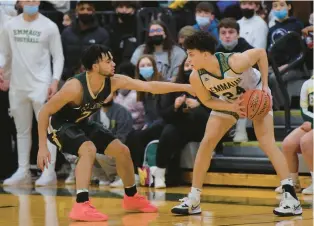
[[28, 206]]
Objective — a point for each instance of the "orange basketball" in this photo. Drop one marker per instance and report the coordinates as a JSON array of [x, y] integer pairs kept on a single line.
[[257, 103]]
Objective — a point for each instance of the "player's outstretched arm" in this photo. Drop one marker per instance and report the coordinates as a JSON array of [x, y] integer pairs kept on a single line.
[[125, 82], [68, 93], [242, 61], [215, 104]]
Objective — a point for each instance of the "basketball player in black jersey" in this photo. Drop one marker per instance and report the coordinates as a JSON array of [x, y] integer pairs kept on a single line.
[[65, 117]]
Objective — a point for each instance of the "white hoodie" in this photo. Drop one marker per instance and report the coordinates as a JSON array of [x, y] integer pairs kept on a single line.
[[31, 45]]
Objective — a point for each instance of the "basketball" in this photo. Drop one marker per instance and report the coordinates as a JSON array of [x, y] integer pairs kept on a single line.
[[257, 103]]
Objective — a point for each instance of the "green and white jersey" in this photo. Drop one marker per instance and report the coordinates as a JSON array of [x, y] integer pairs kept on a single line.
[[232, 84]]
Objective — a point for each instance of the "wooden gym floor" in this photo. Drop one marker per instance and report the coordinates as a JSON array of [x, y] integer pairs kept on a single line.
[[26, 206]]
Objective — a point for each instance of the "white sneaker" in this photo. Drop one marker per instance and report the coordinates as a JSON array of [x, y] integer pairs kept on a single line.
[[20, 177], [289, 206], [71, 178], [189, 205], [297, 188], [240, 137], [159, 176], [47, 179], [308, 190], [118, 183]]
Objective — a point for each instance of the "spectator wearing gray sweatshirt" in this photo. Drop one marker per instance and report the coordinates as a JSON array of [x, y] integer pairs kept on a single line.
[[30, 40]]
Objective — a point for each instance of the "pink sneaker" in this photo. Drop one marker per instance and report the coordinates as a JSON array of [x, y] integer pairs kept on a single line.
[[138, 203], [86, 212]]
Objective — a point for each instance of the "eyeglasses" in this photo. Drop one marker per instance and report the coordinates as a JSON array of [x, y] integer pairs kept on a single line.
[[158, 30]]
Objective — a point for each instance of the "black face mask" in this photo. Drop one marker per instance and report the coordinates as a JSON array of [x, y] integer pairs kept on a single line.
[[126, 17], [86, 18], [124, 92], [187, 76], [248, 13], [155, 40]]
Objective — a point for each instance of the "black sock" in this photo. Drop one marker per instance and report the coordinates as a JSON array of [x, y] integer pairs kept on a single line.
[[131, 191], [290, 189], [82, 197]]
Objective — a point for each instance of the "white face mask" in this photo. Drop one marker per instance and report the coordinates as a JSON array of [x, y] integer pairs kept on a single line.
[[229, 45]]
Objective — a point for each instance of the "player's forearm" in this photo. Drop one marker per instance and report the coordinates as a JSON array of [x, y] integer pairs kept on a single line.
[[166, 87], [216, 104], [263, 66], [43, 123]]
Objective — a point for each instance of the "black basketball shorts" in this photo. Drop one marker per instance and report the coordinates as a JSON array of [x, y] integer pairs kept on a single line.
[[68, 137]]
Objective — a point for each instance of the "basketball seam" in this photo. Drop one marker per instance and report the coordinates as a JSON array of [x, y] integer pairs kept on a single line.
[[260, 102]]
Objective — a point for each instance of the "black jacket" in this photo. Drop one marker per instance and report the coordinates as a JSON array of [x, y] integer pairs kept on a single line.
[[75, 40]]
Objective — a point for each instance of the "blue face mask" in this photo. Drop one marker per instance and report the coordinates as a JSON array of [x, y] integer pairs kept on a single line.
[[281, 14], [30, 9], [146, 72], [202, 21]]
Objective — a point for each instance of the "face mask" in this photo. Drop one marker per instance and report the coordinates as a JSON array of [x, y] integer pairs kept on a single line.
[[248, 13], [126, 17], [202, 21], [281, 14], [30, 9], [86, 18], [229, 45], [155, 40], [146, 72], [187, 76]]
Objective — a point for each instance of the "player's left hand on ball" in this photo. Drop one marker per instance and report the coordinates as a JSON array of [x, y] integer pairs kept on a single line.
[[43, 158], [52, 89]]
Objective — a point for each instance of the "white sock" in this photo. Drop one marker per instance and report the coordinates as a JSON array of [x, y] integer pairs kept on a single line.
[[81, 190], [196, 193], [287, 181], [295, 177]]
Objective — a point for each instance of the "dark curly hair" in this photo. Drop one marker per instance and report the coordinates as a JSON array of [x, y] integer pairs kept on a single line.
[[202, 41]]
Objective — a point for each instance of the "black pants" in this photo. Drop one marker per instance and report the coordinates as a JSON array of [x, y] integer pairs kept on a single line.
[[138, 139]]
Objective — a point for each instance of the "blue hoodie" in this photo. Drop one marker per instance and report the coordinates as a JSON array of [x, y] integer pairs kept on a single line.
[[213, 28]]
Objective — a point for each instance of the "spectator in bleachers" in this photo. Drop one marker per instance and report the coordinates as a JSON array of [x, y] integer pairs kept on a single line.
[[128, 98], [146, 70], [123, 31], [284, 22], [159, 43], [205, 18], [230, 42], [68, 18], [184, 33], [31, 39], [185, 121], [83, 32], [300, 140], [252, 27]]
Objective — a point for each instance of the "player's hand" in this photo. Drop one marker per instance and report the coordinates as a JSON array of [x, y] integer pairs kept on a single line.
[[192, 103], [306, 30], [238, 107], [190, 90], [306, 127], [53, 88], [179, 101], [43, 158], [4, 85]]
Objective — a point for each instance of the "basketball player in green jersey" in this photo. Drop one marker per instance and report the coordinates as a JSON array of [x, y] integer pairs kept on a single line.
[[65, 116], [219, 80]]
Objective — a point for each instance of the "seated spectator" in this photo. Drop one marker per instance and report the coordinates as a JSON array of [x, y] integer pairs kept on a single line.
[[123, 31], [83, 32], [160, 44], [284, 22], [128, 98], [205, 18], [146, 70], [185, 121], [184, 33], [231, 42], [252, 27], [68, 18], [119, 121], [300, 140]]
